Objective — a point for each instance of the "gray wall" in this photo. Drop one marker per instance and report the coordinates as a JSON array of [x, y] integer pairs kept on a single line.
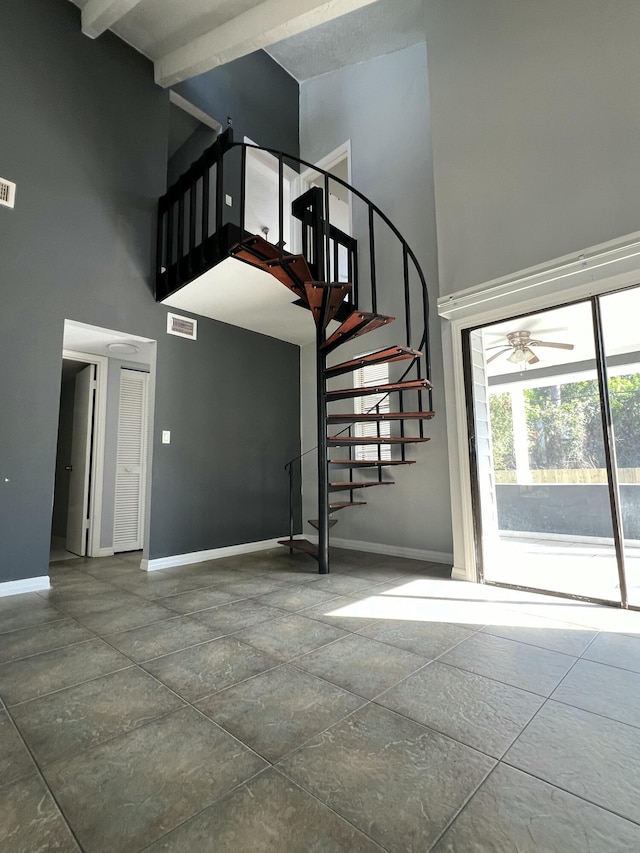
[[234, 421], [382, 106], [256, 93], [201, 138], [85, 138], [535, 130]]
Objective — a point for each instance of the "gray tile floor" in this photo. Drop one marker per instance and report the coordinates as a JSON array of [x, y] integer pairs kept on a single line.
[[249, 704]]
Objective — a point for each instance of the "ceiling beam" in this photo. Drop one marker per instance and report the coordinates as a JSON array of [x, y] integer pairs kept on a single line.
[[99, 15], [265, 24]]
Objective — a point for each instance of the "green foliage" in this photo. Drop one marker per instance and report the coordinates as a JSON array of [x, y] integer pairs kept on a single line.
[[564, 424], [502, 432], [624, 392]]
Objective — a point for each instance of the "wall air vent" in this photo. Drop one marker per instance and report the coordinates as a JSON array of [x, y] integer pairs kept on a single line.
[[183, 327], [7, 193]]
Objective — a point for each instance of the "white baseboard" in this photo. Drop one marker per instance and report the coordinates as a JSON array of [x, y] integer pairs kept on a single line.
[[203, 556], [24, 585], [392, 550]]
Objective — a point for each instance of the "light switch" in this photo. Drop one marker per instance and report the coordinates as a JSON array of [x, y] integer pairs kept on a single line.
[[166, 436], [228, 200]]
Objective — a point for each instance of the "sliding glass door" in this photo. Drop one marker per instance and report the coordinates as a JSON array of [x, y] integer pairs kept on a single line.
[[621, 339], [554, 419]]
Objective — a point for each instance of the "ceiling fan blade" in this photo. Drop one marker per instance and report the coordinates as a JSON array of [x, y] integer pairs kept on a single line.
[[550, 344], [533, 357], [496, 354]]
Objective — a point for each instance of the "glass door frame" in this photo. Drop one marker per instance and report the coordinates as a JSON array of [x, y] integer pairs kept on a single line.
[[609, 452]]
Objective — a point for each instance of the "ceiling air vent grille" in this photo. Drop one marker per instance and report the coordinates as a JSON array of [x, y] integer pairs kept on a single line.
[[7, 193], [183, 327]]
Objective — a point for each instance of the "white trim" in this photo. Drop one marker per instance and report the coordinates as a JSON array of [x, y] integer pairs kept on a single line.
[[105, 552], [100, 15], [203, 556], [392, 550], [342, 152], [25, 585], [617, 262], [99, 440], [183, 104], [601, 269]]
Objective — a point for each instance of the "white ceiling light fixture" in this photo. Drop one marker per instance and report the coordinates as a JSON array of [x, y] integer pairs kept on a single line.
[[118, 348], [517, 356], [518, 345]]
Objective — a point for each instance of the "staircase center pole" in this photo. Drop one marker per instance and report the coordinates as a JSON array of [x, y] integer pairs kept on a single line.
[[323, 465]]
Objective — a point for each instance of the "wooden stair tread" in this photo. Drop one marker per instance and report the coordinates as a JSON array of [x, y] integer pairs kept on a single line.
[[316, 524], [409, 385], [293, 271], [369, 463], [337, 440], [349, 417], [357, 323], [325, 299], [334, 507], [255, 250], [347, 485], [300, 545], [389, 354]]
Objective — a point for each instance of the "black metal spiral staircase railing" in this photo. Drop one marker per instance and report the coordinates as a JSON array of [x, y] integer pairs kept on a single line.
[[336, 277]]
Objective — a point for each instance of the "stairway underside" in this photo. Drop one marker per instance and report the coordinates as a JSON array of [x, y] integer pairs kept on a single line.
[[235, 292]]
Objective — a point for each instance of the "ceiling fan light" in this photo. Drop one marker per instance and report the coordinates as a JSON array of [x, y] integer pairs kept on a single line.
[[517, 356]]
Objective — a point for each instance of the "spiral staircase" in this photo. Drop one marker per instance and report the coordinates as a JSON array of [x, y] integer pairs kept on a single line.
[[195, 234]]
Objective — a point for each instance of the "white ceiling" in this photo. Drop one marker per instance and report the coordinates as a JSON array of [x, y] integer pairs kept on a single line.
[[81, 337], [384, 27], [185, 38]]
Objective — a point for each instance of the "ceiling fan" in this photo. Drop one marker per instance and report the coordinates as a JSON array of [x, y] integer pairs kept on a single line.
[[520, 343]]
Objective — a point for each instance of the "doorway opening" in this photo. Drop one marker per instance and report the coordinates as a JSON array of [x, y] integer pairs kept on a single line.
[[553, 404], [338, 202], [76, 418], [103, 460]]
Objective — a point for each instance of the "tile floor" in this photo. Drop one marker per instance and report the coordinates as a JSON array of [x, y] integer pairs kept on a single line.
[[249, 704]]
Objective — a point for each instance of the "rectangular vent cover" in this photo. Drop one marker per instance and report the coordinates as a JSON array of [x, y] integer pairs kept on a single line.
[[183, 327], [7, 193]]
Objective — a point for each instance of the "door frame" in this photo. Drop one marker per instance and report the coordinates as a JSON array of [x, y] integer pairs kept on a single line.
[[604, 268], [342, 152], [97, 449]]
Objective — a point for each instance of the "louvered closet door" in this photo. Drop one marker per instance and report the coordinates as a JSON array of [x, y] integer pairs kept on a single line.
[[130, 461]]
